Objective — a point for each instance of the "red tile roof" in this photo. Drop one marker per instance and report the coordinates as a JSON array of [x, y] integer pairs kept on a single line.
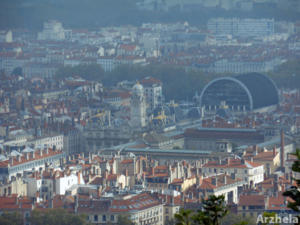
[[252, 200], [138, 202], [23, 159], [14, 202], [233, 163]]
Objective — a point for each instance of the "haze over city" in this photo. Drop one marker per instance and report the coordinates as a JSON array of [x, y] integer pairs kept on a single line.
[[140, 112]]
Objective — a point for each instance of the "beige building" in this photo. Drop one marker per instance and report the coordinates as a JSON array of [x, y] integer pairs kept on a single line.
[[140, 208], [138, 107], [221, 184], [269, 159], [15, 186], [251, 205], [182, 184], [250, 172]]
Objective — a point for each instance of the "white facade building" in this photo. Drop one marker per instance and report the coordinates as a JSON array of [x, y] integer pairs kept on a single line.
[[250, 172], [138, 107], [53, 30], [153, 91], [108, 63], [50, 183], [30, 160], [6, 36], [50, 142], [63, 183], [241, 27], [225, 66]]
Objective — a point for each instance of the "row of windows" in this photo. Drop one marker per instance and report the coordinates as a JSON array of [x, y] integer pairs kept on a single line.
[[96, 218]]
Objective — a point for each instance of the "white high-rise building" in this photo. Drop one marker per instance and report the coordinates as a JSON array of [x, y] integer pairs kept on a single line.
[[138, 107], [153, 91], [53, 30], [241, 27]]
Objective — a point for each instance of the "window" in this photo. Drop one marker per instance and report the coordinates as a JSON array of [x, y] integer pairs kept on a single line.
[[95, 217], [112, 218], [167, 210], [103, 218]]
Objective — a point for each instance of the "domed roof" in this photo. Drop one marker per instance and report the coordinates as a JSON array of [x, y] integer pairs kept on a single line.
[[138, 88], [263, 90], [252, 90]]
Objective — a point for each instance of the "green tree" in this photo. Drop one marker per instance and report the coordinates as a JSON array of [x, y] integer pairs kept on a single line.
[[184, 217], [294, 192], [170, 222], [57, 217], [214, 209], [124, 220], [88, 72], [11, 218], [236, 219]]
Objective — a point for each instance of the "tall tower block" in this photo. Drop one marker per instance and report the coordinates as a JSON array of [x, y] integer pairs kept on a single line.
[[138, 107]]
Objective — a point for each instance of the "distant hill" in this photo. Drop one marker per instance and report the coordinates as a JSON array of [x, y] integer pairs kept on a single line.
[[31, 14]]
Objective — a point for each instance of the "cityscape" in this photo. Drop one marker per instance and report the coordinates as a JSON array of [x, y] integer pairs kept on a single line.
[[161, 121]]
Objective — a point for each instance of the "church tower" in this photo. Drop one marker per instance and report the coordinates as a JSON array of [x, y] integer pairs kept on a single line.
[[138, 107]]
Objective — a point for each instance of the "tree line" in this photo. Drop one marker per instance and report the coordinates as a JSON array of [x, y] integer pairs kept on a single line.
[[178, 83], [52, 217], [31, 14]]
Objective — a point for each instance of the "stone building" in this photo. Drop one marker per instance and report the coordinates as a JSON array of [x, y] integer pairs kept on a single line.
[[138, 107]]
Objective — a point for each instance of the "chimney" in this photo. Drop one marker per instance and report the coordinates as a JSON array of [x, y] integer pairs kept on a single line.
[[228, 161], [198, 180], [287, 176], [232, 176], [27, 155], [182, 197], [76, 203], [152, 171], [78, 177], [41, 152], [52, 172], [255, 149], [282, 150], [172, 200], [274, 150], [51, 203], [214, 180], [33, 155], [225, 179]]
